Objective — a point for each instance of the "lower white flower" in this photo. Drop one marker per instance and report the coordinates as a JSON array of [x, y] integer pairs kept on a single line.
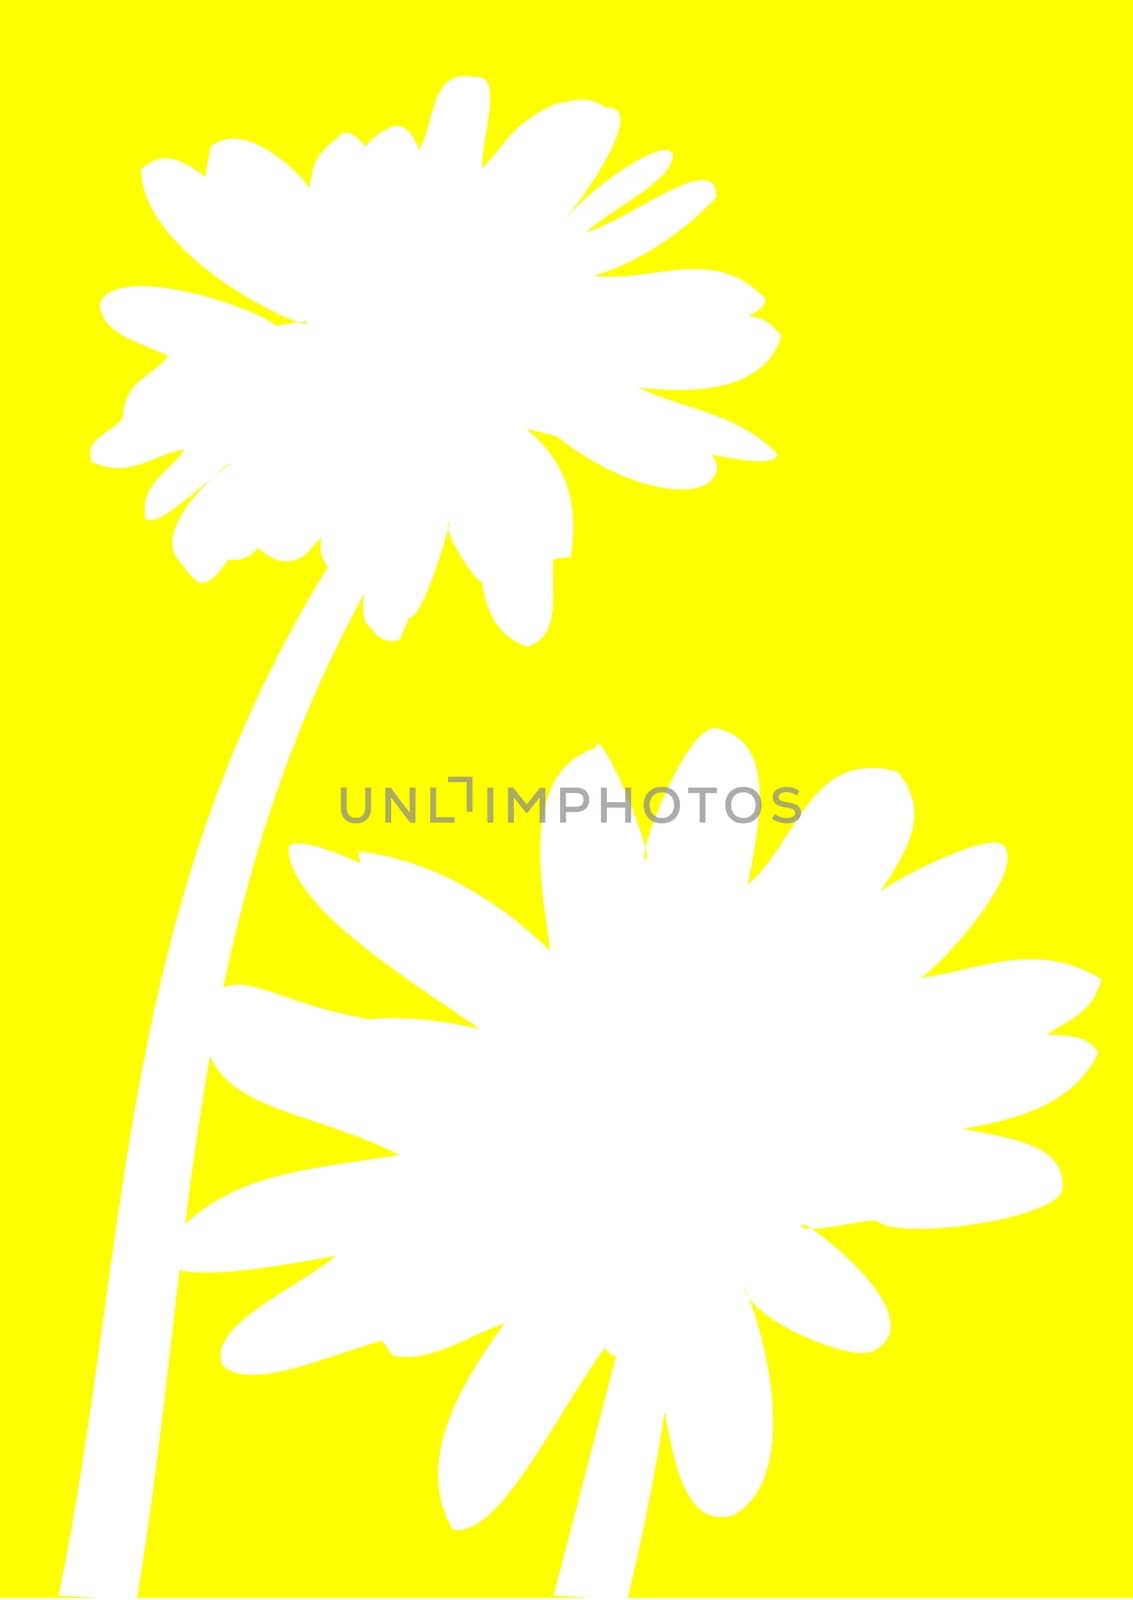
[[651, 1116]]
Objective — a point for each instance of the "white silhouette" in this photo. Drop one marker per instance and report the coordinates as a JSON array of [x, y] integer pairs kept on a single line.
[[438, 309], [638, 1136]]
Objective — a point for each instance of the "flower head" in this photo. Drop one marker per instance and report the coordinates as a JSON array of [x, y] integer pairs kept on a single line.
[[439, 311], [650, 1117]]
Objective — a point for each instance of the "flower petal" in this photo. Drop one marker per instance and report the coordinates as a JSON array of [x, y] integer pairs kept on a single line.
[[801, 1280], [979, 1049], [435, 932], [352, 185], [443, 1252], [459, 123], [182, 478], [178, 323], [300, 1216], [395, 573], [506, 1411], [388, 1079], [718, 1406], [1034, 995], [590, 866], [521, 597], [203, 538], [702, 849], [550, 161], [511, 520], [652, 440], [156, 420], [972, 1177], [845, 845], [391, 158], [337, 172], [334, 1309], [128, 444], [621, 189], [986, 1078], [413, 1269], [238, 511], [642, 230], [680, 330], [245, 220], [929, 911]]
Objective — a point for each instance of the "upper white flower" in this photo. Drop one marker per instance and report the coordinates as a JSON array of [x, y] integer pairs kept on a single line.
[[649, 1120], [438, 310]]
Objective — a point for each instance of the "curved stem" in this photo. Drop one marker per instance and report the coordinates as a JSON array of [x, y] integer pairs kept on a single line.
[[605, 1535], [108, 1534]]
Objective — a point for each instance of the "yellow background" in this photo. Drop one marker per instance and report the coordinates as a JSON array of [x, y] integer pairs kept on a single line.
[[928, 578]]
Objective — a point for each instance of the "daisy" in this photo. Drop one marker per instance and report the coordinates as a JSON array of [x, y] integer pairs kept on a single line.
[[640, 1126], [425, 314], [439, 311]]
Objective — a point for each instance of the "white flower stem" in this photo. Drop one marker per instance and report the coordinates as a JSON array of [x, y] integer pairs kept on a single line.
[[605, 1535], [108, 1534]]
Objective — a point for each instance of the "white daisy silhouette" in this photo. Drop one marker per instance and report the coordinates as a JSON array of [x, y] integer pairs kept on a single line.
[[438, 312], [639, 1135], [439, 309]]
